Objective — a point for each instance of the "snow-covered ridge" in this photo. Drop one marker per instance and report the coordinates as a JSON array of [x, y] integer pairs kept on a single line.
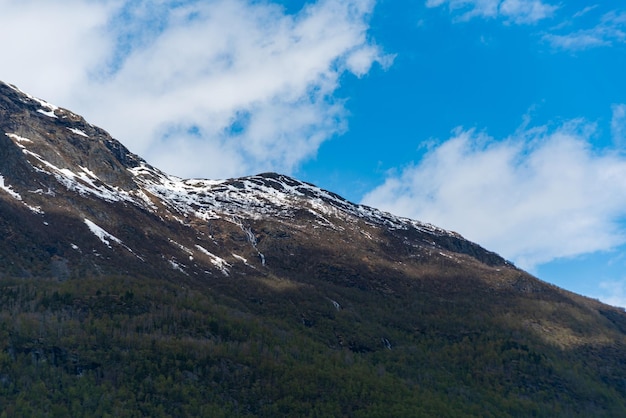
[[47, 109], [263, 195]]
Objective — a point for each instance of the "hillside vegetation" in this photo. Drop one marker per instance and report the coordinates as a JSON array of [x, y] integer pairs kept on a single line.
[[121, 346]]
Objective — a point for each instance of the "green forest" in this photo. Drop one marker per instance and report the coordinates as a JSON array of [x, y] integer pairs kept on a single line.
[[130, 347]]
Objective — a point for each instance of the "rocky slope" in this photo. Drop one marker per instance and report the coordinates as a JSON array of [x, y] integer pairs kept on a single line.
[[97, 206]]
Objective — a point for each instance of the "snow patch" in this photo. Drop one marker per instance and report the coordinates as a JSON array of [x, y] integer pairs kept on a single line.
[[18, 138], [49, 106], [78, 132], [49, 113], [43, 103], [103, 235], [218, 262], [367, 234], [145, 199], [34, 209], [50, 192], [181, 247], [83, 183], [177, 266], [7, 188], [89, 172]]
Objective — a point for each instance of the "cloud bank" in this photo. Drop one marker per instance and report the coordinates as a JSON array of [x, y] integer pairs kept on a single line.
[[200, 88], [538, 195]]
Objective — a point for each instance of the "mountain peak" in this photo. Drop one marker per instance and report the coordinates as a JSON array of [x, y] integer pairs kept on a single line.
[[61, 142]]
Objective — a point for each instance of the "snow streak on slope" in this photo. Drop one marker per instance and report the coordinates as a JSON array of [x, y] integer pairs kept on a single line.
[[15, 195], [103, 235], [8, 189], [48, 109], [218, 262], [83, 181], [78, 132]]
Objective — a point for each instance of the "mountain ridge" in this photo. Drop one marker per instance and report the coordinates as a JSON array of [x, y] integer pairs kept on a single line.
[[86, 160]]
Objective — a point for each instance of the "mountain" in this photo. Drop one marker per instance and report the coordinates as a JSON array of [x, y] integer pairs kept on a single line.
[[127, 291]]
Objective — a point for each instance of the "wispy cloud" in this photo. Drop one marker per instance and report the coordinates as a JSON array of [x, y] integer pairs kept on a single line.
[[538, 195], [584, 11], [618, 124], [610, 30], [227, 87], [511, 11]]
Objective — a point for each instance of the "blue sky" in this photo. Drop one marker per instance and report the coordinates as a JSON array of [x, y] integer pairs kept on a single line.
[[504, 120]]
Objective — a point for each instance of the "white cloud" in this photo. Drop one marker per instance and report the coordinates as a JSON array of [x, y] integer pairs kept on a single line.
[[610, 30], [515, 11], [538, 195], [618, 124], [50, 45], [525, 11], [237, 86]]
